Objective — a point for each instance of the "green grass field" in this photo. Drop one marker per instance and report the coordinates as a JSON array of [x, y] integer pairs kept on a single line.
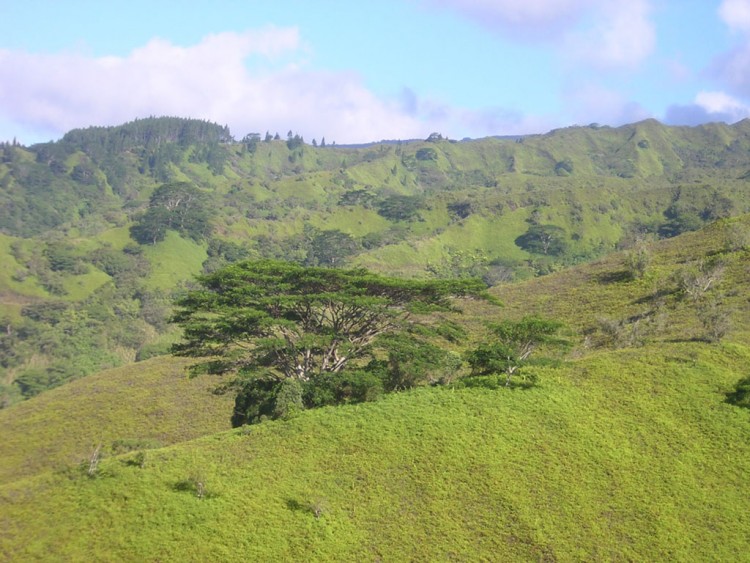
[[621, 456]]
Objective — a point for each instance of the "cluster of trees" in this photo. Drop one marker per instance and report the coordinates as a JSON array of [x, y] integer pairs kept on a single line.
[[179, 206], [144, 134], [299, 337]]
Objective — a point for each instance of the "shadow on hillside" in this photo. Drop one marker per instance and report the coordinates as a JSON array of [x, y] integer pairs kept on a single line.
[[660, 294], [693, 340], [614, 277]]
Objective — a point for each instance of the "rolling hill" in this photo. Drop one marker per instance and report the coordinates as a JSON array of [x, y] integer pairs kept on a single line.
[[80, 292], [626, 450]]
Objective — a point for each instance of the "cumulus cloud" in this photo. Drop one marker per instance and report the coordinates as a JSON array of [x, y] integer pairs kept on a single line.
[[519, 17], [707, 107], [603, 33], [622, 36], [736, 14], [733, 67], [230, 78]]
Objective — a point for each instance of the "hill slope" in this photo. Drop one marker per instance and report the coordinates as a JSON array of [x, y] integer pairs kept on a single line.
[[147, 405], [617, 454], [83, 291]]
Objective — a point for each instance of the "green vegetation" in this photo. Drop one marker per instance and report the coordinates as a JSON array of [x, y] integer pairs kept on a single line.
[[292, 333], [621, 455], [618, 431], [195, 200], [512, 345]]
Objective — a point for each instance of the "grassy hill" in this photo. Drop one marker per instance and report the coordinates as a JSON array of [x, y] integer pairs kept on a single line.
[[626, 451], [621, 455], [140, 406], [81, 293]]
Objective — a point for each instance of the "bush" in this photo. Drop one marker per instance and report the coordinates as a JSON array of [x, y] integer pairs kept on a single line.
[[426, 154]]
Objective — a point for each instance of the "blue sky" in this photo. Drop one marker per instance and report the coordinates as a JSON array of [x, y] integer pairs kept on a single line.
[[371, 70]]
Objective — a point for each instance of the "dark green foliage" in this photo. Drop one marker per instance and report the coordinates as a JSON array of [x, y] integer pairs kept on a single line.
[[460, 209], [680, 222], [179, 206], [549, 240], [222, 252], [357, 197], [400, 207], [278, 322], [62, 257], [145, 133], [288, 400], [33, 381], [251, 141], [330, 248], [256, 401], [564, 167], [413, 362], [426, 154], [740, 396], [302, 322], [151, 226], [115, 263], [348, 386], [294, 141], [214, 154]]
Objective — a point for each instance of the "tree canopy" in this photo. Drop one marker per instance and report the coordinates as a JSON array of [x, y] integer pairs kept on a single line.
[[179, 206], [301, 322], [543, 239]]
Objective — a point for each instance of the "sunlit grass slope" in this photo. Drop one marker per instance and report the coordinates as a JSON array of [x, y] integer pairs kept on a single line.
[[617, 454], [149, 404], [626, 455], [604, 289]]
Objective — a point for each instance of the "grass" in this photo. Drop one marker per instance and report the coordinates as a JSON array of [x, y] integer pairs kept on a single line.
[[173, 260], [617, 454], [622, 455], [627, 454], [151, 402]]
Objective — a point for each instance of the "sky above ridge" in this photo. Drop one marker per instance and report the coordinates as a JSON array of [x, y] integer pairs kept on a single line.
[[370, 70]]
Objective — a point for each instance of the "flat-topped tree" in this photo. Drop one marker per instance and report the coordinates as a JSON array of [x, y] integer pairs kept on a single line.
[[301, 322]]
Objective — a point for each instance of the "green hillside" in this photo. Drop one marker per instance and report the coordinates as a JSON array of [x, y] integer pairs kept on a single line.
[[627, 450], [98, 239], [621, 455], [141, 406]]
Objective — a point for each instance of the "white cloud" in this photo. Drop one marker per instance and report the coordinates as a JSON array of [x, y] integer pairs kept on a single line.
[[603, 33], [733, 69], [720, 102], [622, 36], [519, 15], [251, 81], [736, 14], [708, 107], [593, 103]]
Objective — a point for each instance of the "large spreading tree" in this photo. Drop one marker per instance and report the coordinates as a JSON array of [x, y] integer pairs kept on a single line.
[[301, 323]]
